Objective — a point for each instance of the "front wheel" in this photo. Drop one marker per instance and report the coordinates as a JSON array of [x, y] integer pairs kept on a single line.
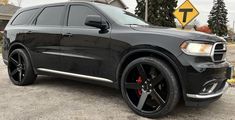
[[149, 87]]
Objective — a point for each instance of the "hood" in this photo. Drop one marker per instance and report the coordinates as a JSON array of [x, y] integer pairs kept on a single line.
[[187, 35]]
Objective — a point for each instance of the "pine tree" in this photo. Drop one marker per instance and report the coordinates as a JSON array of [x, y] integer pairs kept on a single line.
[[160, 12], [140, 8], [218, 18]]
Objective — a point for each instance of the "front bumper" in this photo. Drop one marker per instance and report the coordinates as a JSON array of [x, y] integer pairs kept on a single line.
[[207, 85], [203, 81], [200, 77], [216, 94]]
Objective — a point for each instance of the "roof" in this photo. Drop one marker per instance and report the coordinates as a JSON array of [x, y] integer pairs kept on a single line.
[[60, 3], [105, 1], [8, 9]]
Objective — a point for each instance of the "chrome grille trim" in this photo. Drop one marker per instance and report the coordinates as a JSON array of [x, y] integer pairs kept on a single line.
[[219, 52]]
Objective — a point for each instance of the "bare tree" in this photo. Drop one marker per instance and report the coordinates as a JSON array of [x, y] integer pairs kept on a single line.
[[4, 2]]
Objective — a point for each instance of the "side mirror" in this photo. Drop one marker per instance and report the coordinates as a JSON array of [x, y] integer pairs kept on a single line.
[[96, 21]]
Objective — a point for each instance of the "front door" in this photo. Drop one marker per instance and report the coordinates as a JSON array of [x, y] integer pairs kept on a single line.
[[85, 50]]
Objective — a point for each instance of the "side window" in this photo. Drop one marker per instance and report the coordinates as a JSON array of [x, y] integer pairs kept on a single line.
[[50, 16], [77, 15], [24, 17]]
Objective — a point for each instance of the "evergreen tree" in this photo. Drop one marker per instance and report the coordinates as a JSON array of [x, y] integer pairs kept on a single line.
[[160, 12], [140, 8], [218, 18]]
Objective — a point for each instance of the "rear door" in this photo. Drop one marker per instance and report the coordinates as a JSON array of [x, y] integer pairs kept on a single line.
[[85, 50], [44, 37]]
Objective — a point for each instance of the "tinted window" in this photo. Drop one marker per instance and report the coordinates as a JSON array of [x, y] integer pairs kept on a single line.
[[78, 14], [121, 16], [24, 17], [50, 16]]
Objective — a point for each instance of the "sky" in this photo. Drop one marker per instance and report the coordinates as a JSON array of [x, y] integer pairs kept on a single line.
[[203, 6]]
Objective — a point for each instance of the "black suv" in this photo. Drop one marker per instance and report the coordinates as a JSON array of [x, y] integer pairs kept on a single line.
[[152, 66]]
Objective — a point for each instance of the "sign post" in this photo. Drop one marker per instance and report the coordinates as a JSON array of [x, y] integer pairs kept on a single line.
[[185, 13], [146, 9]]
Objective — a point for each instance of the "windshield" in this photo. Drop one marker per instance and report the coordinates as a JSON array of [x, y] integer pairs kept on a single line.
[[121, 16]]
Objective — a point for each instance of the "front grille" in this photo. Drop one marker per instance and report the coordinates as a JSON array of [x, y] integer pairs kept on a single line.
[[219, 52]]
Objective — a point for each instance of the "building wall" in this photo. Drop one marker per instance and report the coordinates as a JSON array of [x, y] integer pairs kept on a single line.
[[4, 20], [3, 24], [5, 17], [6, 12]]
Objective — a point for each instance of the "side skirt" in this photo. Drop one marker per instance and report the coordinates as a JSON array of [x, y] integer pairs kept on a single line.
[[98, 79]]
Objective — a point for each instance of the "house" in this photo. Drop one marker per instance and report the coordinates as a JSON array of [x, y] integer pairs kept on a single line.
[[6, 12], [192, 27], [117, 3], [187, 27]]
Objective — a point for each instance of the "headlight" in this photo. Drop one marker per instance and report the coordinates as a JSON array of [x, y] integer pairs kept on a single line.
[[196, 48]]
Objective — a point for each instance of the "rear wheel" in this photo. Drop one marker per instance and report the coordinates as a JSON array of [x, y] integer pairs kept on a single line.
[[20, 69], [149, 87]]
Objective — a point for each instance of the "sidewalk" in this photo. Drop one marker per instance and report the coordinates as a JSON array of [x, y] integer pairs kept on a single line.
[[231, 53], [2, 65], [231, 44]]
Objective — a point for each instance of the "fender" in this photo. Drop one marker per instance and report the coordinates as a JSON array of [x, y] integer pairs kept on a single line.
[[17, 44]]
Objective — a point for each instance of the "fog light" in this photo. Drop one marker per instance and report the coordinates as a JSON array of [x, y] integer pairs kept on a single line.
[[209, 88]]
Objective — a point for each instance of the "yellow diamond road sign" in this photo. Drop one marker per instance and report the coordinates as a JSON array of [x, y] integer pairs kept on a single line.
[[186, 13]]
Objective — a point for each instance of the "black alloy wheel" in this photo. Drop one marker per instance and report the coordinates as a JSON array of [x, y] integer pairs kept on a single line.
[[149, 87], [20, 69]]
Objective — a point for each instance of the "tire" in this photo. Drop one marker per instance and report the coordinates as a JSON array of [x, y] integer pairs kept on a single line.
[[20, 69], [154, 98]]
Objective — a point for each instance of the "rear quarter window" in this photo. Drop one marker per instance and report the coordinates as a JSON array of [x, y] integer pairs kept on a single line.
[[24, 17]]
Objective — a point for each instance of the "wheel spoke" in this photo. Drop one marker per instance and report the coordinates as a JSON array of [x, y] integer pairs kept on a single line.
[[14, 61], [19, 58], [132, 86], [142, 100], [157, 97], [14, 72], [142, 72], [158, 79], [23, 66], [20, 75]]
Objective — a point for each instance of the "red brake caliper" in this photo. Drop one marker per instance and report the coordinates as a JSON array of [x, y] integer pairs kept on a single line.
[[139, 81]]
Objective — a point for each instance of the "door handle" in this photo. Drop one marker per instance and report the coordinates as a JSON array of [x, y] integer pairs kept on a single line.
[[68, 35]]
